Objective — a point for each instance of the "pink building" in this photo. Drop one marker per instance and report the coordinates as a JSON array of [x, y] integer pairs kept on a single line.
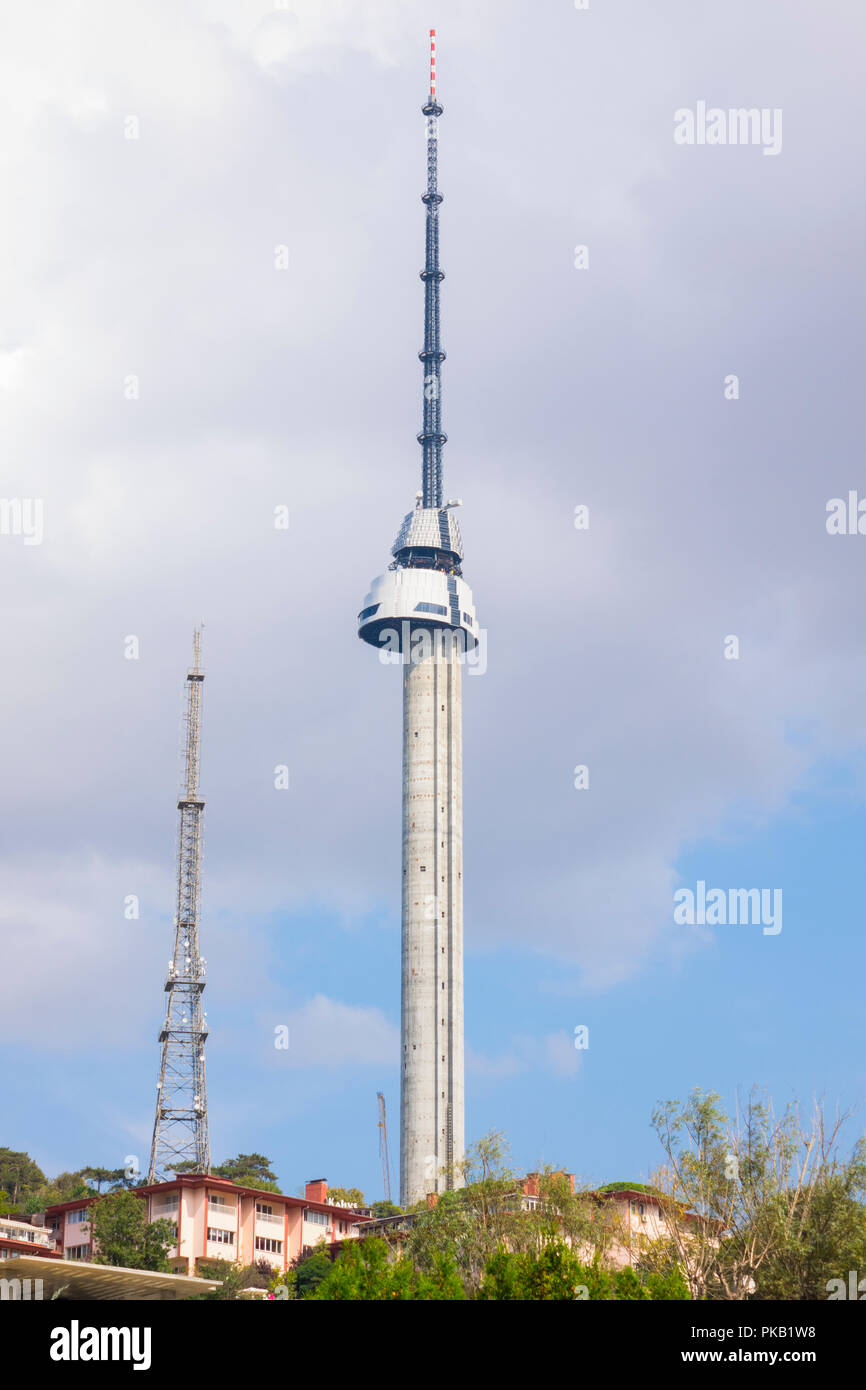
[[20, 1235], [215, 1219]]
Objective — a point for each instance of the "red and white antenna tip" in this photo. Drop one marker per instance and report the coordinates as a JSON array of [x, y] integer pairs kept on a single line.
[[433, 62]]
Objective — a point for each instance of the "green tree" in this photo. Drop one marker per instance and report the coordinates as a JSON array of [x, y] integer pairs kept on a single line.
[[552, 1273], [71, 1186], [365, 1271], [353, 1195], [383, 1208], [555, 1273], [233, 1279], [466, 1225], [19, 1176], [66, 1187], [470, 1224], [125, 1237], [249, 1170], [309, 1272], [760, 1207], [99, 1176]]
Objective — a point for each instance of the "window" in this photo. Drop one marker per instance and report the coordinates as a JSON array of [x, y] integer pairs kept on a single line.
[[275, 1247], [168, 1199], [467, 620], [76, 1218], [367, 612], [317, 1218], [216, 1199], [264, 1209], [220, 1237], [77, 1252], [432, 608]]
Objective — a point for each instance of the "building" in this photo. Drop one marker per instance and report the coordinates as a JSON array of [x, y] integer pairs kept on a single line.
[[421, 613], [19, 1236], [215, 1219], [34, 1268], [633, 1218]]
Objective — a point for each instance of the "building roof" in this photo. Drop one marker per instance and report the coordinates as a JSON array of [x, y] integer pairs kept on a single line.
[[226, 1185], [22, 1247], [57, 1207], [76, 1279]]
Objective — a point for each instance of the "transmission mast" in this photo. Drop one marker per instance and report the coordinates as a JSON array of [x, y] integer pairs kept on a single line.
[[423, 595], [180, 1130], [383, 1147]]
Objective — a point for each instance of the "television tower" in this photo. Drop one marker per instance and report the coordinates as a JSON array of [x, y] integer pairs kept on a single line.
[[180, 1132], [421, 612]]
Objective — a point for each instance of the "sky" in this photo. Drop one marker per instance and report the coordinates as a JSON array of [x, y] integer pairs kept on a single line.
[[212, 311]]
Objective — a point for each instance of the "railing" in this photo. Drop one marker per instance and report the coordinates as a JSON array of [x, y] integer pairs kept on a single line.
[[268, 1219], [225, 1220], [13, 1231]]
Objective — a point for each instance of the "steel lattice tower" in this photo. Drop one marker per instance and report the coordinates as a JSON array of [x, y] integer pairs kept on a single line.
[[180, 1129], [422, 610]]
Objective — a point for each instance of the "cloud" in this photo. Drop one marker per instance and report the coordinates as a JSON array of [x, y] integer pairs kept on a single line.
[[554, 1053], [155, 256], [327, 1033]]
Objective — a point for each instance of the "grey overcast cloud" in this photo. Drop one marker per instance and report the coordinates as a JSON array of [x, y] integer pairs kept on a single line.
[[211, 310]]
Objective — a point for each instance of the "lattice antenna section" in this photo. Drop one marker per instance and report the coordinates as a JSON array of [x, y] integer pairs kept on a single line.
[[180, 1129], [431, 437]]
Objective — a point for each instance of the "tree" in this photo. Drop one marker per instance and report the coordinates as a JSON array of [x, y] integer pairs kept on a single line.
[[99, 1176], [233, 1278], [70, 1186], [466, 1225], [383, 1208], [555, 1273], [249, 1170], [19, 1175], [125, 1237], [761, 1207], [353, 1195], [364, 1271], [309, 1272], [470, 1224]]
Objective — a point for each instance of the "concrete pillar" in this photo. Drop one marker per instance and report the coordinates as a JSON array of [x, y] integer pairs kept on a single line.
[[431, 1092]]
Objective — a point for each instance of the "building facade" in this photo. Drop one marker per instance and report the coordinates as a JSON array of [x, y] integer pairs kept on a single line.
[[215, 1219]]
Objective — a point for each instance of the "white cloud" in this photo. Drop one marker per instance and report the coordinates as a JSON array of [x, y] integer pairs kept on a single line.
[[156, 256], [327, 1033], [554, 1053]]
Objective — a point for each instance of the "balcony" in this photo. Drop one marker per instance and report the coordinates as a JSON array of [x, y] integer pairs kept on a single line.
[[265, 1219], [38, 1236]]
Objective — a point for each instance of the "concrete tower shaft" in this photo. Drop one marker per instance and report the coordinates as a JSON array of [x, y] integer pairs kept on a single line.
[[431, 1118], [421, 612]]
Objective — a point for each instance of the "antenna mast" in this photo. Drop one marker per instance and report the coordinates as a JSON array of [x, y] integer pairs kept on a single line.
[[383, 1147], [431, 437], [180, 1129]]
